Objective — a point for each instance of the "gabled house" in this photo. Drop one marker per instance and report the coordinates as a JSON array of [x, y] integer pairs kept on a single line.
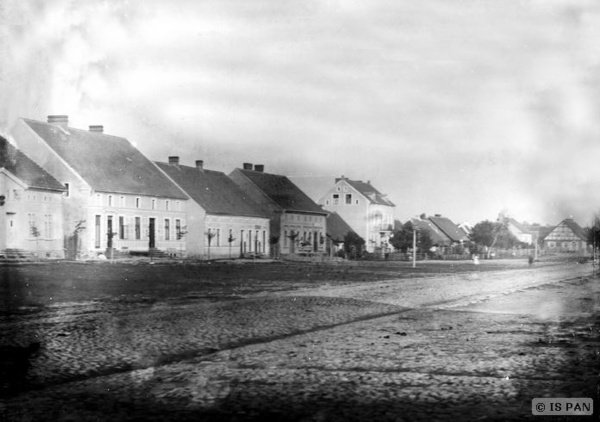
[[438, 238], [234, 225], [31, 212], [567, 236], [297, 223], [116, 199], [449, 229], [369, 212], [520, 231]]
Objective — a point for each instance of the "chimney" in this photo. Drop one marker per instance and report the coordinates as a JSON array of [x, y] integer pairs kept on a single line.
[[199, 164], [97, 128], [259, 168], [174, 160], [59, 119], [247, 166]]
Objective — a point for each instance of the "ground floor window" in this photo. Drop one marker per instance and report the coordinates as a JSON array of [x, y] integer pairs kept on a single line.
[[97, 232], [167, 229], [122, 227], [138, 226]]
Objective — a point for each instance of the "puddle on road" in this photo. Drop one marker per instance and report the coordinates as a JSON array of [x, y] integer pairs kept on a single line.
[[551, 301]]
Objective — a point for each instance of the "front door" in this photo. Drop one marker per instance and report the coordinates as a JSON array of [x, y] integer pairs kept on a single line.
[[151, 234], [109, 232], [11, 230]]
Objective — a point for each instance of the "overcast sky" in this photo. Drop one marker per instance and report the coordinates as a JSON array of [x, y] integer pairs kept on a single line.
[[464, 108]]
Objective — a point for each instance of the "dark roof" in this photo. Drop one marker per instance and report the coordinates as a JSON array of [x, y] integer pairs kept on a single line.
[[436, 235], [25, 169], [282, 192], [449, 228], [213, 190], [575, 228], [107, 163], [542, 231], [366, 189], [337, 228]]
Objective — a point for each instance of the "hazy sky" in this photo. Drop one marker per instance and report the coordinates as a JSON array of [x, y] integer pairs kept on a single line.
[[464, 108]]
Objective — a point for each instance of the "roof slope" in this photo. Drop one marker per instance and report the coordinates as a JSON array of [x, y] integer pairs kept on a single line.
[[213, 190], [25, 169], [282, 192], [449, 228], [436, 235], [370, 192], [522, 228], [107, 163], [337, 228], [575, 228]]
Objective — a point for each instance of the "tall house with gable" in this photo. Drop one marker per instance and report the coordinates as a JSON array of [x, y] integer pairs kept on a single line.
[[31, 213], [297, 223], [234, 225], [567, 236], [369, 212], [116, 199]]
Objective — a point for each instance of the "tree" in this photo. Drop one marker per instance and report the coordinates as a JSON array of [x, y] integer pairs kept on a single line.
[[209, 236], [593, 235], [230, 240], [35, 232], [403, 238], [293, 236], [354, 245], [490, 234]]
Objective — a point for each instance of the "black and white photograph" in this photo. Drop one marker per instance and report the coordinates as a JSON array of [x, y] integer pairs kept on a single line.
[[319, 210]]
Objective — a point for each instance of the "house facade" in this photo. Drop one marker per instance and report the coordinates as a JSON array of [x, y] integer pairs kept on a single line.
[[364, 208], [520, 231], [566, 237], [116, 200], [297, 223], [234, 225], [31, 212]]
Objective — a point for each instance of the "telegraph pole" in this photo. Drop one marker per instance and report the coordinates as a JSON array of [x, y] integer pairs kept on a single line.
[[414, 247]]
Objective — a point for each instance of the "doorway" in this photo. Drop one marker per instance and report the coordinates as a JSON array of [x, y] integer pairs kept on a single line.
[[151, 234]]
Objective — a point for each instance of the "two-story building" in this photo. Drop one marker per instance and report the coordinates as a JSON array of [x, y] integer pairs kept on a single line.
[[369, 212], [297, 223], [234, 225], [116, 199], [31, 212]]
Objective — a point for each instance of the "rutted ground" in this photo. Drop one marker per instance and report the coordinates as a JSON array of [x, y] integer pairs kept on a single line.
[[333, 353]]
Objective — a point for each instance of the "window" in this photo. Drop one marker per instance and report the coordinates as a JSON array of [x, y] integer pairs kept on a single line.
[[167, 229], [154, 204], [357, 202], [97, 232], [338, 189], [218, 237], [137, 202], [285, 238], [178, 229], [121, 227], [264, 243], [110, 200], [138, 224], [336, 199], [345, 188], [47, 226], [167, 204], [122, 202], [348, 199], [178, 205], [98, 199], [67, 190], [327, 202]]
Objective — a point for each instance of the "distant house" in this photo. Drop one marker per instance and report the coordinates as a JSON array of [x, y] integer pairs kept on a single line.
[[297, 223], [337, 229], [31, 212], [122, 199], [438, 238], [369, 212], [520, 231], [449, 229], [567, 236], [234, 225]]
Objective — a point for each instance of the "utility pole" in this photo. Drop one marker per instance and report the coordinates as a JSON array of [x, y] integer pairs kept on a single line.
[[414, 247]]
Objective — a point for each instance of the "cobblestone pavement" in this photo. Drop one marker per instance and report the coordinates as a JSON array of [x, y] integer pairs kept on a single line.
[[314, 355]]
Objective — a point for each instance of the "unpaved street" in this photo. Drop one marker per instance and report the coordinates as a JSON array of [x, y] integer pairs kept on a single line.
[[466, 346]]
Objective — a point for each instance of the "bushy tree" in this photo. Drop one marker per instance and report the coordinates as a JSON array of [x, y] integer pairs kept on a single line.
[[403, 238], [354, 245], [490, 234]]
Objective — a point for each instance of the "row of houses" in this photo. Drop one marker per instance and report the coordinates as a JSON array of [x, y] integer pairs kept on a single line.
[[81, 193]]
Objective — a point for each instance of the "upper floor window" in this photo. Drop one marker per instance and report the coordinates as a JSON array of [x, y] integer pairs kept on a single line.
[[348, 199], [110, 200], [137, 202], [167, 205], [178, 205], [122, 202], [153, 204], [338, 189], [68, 192]]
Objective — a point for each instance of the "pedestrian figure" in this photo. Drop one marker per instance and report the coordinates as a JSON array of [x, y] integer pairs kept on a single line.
[[476, 259], [531, 259]]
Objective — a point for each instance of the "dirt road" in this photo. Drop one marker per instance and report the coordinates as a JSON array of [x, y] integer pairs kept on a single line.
[[461, 346]]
